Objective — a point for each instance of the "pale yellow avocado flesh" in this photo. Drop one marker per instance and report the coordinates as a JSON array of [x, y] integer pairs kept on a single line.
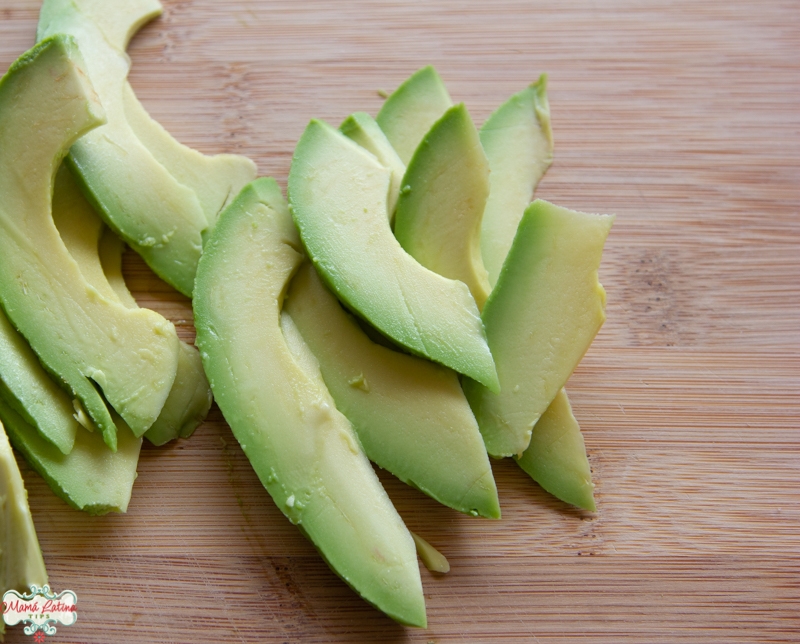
[[87, 341], [518, 142], [120, 20], [158, 216], [337, 194], [272, 395], [91, 477], [540, 319], [364, 130], [21, 562], [410, 414], [556, 457], [31, 391], [98, 253], [439, 213], [412, 109]]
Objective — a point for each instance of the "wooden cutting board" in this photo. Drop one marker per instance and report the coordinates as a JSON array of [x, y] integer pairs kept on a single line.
[[681, 117]]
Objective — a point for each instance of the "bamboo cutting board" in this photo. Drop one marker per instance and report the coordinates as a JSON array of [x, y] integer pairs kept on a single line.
[[681, 117]]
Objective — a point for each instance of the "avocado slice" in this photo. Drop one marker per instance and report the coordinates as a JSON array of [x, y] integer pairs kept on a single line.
[[119, 21], [410, 414], [91, 477], [31, 391], [159, 217], [412, 109], [99, 349], [518, 142], [21, 562], [556, 458], [337, 196], [266, 384], [438, 220], [364, 130], [98, 253], [540, 319]]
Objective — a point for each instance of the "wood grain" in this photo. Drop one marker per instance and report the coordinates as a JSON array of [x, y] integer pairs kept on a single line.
[[683, 118]]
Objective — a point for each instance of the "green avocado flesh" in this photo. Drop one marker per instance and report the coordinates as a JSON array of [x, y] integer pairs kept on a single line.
[[159, 217], [31, 391], [98, 253], [263, 378], [119, 21], [337, 195], [540, 319], [438, 220], [21, 563], [91, 477], [518, 142], [364, 130], [88, 342], [410, 414], [556, 458], [412, 109]]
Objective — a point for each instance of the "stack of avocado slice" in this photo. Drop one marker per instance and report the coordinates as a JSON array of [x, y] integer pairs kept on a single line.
[[407, 306]]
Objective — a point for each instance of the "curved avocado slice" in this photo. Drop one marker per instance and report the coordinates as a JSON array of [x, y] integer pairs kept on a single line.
[[438, 220], [119, 21], [540, 319], [412, 109], [410, 414], [337, 195], [160, 218], [518, 142], [556, 458], [98, 252], [31, 391], [21, 563], [364, 130], [88, 342], [264, 380], [91, 477]]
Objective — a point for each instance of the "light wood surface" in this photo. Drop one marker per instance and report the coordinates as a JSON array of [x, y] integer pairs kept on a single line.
[[683, 118]]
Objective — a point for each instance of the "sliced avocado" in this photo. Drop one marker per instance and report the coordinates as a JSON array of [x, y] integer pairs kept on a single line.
[[518, 142], [88, 342], [438, 220], [337, 195], [91, 477], [21, 562], [119, 21], [98, 253], [31, 391], [410, 414], [412, 109], [540, 319], [264, 380], [364, 130], [160, 218], [556, 458]]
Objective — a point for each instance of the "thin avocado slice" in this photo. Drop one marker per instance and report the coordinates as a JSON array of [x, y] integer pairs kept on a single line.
[[91, 477], [159, 217], [21, 562], [31, 391], [264, 380], [540, 319], [518, 141], [337, 196], [364, 130], [119, 21], [412, 109], [556, 458], [410, 414], [217, 179], [98, 253], [88, 342], [438, 220]]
